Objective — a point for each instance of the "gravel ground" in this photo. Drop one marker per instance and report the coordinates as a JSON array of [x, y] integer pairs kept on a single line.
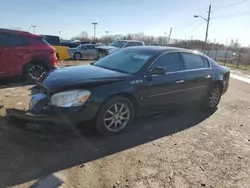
[[179, 149]]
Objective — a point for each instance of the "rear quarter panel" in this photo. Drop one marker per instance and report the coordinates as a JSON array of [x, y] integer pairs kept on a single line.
[[221, 75]]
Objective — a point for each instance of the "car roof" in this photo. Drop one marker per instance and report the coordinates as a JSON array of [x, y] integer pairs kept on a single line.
[[131, 40], [51, 36], [88, 44], [18, 32], [161, 49]]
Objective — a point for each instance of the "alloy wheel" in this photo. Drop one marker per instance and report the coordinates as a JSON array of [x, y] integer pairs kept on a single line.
[[214, 97], [77, 56], [37, 72], [116, 117]]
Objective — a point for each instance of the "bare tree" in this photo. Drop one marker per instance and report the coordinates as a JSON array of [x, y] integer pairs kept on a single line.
[[83, 36]]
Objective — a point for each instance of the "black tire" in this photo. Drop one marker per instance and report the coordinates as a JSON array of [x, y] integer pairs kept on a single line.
[[77, 56], [35, 72], [103, 112], [57, 55], [213, 98]]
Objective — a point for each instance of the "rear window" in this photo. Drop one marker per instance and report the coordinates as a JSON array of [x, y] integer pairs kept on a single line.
[[39, 41], [53, 40], [45, 42], [133, 44]]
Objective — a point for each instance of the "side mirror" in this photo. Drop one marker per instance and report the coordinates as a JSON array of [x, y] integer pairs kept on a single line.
[[158, 71]]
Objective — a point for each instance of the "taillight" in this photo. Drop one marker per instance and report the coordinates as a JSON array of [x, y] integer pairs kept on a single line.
[[55, 61]]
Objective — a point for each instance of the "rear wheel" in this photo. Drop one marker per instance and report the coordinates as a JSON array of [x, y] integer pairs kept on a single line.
[[115, 116], [213, 98], [35, 72], [77, 56]]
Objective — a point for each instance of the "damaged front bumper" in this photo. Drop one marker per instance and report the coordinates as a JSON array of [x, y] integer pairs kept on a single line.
[[27, 120], [43, 116], [59, 121]]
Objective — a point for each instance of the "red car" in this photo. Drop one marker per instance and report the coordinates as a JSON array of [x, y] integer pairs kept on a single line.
[[26, 55]]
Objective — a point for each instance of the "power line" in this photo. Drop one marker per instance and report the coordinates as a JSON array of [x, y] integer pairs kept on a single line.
[[191, 21], [218, 1], [230, 5], [233, 15], [192, 27], [195, 27]]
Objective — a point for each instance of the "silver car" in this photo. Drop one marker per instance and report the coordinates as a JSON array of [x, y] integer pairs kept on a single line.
[[117, 45], [85, 51]]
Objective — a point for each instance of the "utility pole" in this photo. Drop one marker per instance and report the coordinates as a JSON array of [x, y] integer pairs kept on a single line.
[[170, 33], [239, 57], [226, 56], [94, 23], [214, 43], [34, 28], [59, 34], [208, 21]]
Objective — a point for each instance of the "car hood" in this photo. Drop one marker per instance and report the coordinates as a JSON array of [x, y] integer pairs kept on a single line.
[[77, 77]]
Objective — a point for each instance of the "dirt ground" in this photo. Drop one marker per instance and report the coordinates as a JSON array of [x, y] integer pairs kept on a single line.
[[178, 149]]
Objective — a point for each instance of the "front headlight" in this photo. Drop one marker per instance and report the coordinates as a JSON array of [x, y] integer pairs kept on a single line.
[[70, 98]]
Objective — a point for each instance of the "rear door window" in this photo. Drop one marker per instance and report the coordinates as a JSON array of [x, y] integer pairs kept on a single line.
[[90, 47], [170, 61], [193, 61]]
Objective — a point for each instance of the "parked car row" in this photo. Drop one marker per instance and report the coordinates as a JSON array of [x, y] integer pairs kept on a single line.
[[130, 82], [97, 51]]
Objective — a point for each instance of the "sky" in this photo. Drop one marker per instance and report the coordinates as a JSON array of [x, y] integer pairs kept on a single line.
[[229, 18]]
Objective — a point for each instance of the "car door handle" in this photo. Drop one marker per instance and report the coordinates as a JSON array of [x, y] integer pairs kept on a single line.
[[179, 81], [207, 76]]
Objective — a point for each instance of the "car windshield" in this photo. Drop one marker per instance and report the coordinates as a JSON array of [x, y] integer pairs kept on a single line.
[[118, 44], [126, 60]]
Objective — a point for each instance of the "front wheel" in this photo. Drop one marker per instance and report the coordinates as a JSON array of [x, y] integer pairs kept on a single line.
[[213, 98], [115, 116]]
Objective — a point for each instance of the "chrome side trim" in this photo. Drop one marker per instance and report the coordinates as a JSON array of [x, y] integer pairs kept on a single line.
[[191, 70], [160, 94]]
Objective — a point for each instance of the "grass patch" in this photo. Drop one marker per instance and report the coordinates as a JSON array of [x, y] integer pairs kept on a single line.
[[231, 65]]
